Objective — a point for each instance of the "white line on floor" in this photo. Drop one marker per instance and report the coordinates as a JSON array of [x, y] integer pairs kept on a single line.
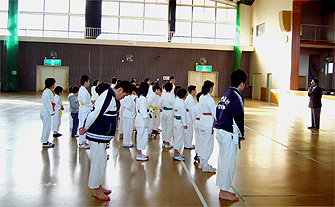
[[289, 148], [194, 185]]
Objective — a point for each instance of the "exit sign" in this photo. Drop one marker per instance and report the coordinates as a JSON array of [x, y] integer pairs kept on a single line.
[[56, 62], [204, 68]]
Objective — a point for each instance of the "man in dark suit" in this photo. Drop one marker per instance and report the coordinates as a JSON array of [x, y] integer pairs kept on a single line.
[[315, 94]]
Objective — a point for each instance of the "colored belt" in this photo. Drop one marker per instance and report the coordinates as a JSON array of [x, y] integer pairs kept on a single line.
[[187, 110], [81, 104], [207, 114], [177, 117], [154, 108], [197, 118], [168, 109]]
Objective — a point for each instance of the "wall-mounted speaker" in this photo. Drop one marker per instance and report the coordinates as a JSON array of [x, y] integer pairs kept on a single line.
[[285, 20]]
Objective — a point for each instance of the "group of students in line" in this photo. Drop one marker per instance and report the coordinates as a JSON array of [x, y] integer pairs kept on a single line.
[[141, 106]]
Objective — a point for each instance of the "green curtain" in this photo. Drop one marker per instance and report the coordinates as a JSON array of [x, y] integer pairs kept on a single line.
[[12, 48], [237, 50]]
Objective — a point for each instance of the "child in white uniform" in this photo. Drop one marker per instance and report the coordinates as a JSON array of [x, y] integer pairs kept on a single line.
[[93, 91], [142, 121], [190, 102], [85, 103], [196, 114], [153, 109], [58, 111], [229, 132], [180, 123], [207, 122], [100, 127], [47, 111], [128, 118], [166, 105]]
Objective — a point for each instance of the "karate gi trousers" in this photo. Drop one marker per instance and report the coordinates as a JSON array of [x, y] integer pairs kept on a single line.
[[142, 138], [56, 121], [128, 124], [206, 143], [188, 132], [98, 164], [227, 159], [178, 135], [46, 119], [167, 125]]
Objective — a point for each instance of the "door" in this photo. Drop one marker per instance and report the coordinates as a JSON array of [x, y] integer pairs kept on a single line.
[[256, 89], [60, 73], [198, 78]]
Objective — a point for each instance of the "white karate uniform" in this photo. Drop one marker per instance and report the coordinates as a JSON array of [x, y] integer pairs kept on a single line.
[[95, 95], [152, 107], [157, 121], [207, 105], [142, 123], [228, 143], [70, 117], [196, 113], [178, 125], [167, 101], [190, 102], [84, 99], [128, 118], [46, 113], [56, 121], [121, 117]]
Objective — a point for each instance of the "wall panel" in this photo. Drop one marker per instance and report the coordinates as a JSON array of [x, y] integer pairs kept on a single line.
[[104, 62]]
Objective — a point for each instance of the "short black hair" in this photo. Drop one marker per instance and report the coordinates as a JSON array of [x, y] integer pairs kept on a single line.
[[176, 89], [101, 88], [70, 89], [95, 82], [207, 87], [75, 89], [49, 82], [190, 88], [171, 77], [156, 87], [126, 86], [198, 96], [114, 80], [143, 90], [168, 86], [58, 89], [237, 77], [146, 80], [316, 80], [181, 93], [84, 79]]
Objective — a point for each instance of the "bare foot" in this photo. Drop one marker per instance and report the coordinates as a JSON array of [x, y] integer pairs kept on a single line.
[[99, 193], [225, 195], [107, 192]]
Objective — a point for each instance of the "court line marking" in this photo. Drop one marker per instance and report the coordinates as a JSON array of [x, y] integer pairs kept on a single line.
[[289, 148], [8, 108], [299, 139], [194, 185]]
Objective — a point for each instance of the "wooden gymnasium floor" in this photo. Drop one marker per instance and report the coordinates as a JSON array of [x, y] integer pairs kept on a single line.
[[281, 163]]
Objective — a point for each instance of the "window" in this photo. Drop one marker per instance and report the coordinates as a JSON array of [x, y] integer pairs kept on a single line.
[[59, 6], [260, 30]]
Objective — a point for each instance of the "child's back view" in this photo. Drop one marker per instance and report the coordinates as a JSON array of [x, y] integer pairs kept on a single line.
[[166, 104]]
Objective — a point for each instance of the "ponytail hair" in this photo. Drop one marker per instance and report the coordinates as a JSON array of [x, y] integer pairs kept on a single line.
[[143, 89], [207, 87]]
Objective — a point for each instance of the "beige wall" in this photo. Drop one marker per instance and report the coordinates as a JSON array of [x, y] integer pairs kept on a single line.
[[272, 53]]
